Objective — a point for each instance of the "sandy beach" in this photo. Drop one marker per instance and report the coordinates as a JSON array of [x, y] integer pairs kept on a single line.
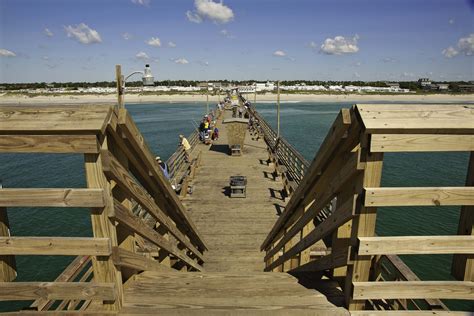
[[136, 98]]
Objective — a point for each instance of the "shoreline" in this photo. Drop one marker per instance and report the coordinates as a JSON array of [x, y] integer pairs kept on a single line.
[[268, 97]]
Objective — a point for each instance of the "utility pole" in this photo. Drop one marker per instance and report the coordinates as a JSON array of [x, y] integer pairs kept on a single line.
[[278, 109], [119, 79]]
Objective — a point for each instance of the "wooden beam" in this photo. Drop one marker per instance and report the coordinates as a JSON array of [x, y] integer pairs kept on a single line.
[[22, 291], [52, 197], [421, 143], [177, 210], [463, 265], [335, 135], [7, 263], [59, 246], [409, 313], [115, 171], [49, 144], [405, 196], [417, 118], [333, 260], [124, 217], [54, 119], [404, 245], [463, 290], [137, 262]]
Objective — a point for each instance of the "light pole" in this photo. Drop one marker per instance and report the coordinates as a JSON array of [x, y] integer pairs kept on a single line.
[[147, 79], [278, 109]]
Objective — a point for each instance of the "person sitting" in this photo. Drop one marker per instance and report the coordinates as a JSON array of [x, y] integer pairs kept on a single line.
[[163, 166]]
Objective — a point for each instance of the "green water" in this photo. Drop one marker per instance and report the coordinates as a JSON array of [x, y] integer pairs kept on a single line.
[[303, 124]]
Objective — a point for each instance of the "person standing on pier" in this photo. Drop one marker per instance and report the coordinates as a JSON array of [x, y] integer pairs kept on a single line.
[[187, 148]]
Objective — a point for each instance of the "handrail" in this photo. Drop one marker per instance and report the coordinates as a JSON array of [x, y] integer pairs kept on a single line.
[[347, 170], [122, 177]]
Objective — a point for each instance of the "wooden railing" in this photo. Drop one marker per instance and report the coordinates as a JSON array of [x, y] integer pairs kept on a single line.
[[288, 162], [120, 171], [348, 169]]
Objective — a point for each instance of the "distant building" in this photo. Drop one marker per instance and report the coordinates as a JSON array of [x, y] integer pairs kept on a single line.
[[466, 87], [443, 86], [424, 83]]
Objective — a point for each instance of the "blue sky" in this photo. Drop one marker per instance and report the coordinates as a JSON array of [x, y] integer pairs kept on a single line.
[[66, 40]]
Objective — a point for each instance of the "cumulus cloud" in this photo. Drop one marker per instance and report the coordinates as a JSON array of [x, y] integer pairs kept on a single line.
[[356, 75], [171, 44], [389, 60], [126, 36], [279, 53], [142, 56], [6, 53], [451, 21], [450, 52], [141, 2], [214, 11], [154, 41], [312, 45], [340, 45], [182, 61], [226, 33], [465, 46], [193, 17], [48, 33], [408, 75], [83, 34], [203, 63]]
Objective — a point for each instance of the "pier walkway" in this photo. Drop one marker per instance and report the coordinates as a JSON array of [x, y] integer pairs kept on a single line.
[[234, 228]]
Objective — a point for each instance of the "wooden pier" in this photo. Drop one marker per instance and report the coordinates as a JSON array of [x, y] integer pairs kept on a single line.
[[301, 242]]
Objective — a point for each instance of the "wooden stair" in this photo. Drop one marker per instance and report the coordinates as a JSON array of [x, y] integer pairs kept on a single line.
[[201, 293]]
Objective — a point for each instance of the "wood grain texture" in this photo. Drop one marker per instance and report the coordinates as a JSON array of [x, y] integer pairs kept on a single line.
[[409, 196], [417, 118], [49, 144], [409, 313], [421, 143], [463, 290], [52, 198], [7, 263], [416, 245], [66, 246], [21, 291], [137, 262], [54, 119]]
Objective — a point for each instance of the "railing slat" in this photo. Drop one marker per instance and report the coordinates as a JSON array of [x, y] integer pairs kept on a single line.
[[49, 144], [421, 143]]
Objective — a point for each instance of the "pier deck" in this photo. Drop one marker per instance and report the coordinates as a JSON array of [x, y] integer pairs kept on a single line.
[[234, 228]]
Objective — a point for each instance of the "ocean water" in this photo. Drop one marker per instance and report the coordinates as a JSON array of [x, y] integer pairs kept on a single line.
[[304, 125]]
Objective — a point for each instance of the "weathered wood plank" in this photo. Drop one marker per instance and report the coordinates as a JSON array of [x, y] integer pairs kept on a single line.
[[338, 258], [49, 144], [463, 290], [414, 313], [421, 143], [21, 291], [51, 119], [117, 172], [402, 245], [52, 197], [409, 196], [138, 262], [416, 118], [61, 246], [122, 215], [7, 263]]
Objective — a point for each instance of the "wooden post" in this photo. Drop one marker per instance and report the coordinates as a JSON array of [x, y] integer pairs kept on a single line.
[[463, 265], [278, 109], [119, 80], [7, 263], [104, 269], [363, 225]]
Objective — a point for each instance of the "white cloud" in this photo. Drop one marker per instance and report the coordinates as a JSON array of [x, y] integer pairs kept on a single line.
[[142, 56], [203, 63], [389, 60], [466, 45], [358, 64], [279, 53], [356, 75], [214, 11], [48, 33], [451, 21], [6, 53], [340, 45], [83, 34], [45, 58], [126, 36], [450, 52], [182, 61], [154, 41], [193, 17], [141, 2], [408, 75], [171, 44], [313, 45], [226, 33]]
